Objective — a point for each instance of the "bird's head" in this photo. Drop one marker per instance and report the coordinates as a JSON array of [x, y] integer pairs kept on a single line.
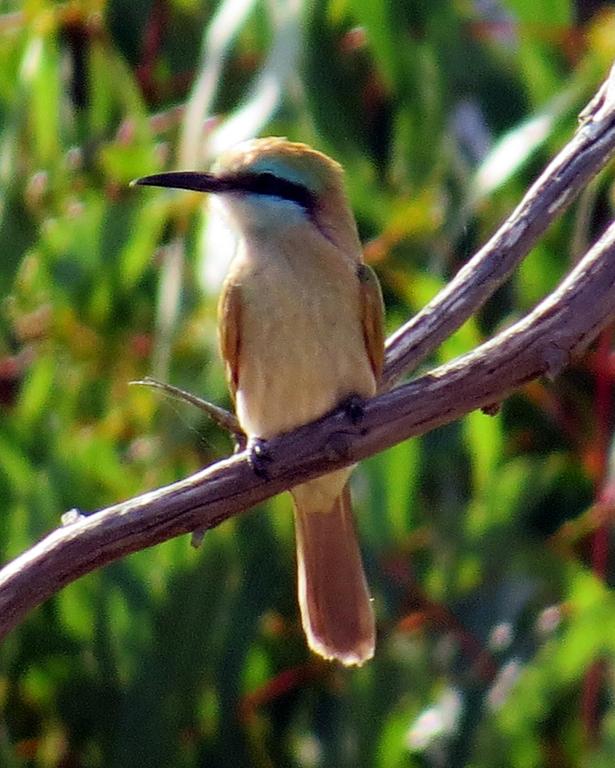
[[269, 185]]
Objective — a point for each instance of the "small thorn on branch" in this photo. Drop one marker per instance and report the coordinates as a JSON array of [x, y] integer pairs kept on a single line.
[[556, 360]]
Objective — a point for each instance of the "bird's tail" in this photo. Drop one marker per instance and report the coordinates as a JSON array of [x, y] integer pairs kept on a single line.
[[336, 609]]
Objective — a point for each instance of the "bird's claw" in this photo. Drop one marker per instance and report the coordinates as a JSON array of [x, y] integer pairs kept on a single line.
[[259, 457], [354, 408]]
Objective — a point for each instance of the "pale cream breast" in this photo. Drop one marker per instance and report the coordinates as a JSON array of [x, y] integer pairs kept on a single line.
[[302, 349]]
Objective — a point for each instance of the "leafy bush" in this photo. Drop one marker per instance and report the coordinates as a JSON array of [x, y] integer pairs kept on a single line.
[[482, 539]]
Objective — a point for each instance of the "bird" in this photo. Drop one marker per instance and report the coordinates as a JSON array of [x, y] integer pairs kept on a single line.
[[301, 331]]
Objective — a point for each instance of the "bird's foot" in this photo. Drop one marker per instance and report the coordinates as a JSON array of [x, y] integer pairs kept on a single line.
[[259, 456], [354, 407]]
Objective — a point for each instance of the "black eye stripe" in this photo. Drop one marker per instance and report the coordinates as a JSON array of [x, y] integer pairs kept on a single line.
[[270, 184]]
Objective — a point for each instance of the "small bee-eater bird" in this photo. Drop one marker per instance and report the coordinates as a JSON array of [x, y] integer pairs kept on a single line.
[[301, 332]]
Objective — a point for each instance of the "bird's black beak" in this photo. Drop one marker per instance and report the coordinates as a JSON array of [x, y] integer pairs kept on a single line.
[[193, 180]]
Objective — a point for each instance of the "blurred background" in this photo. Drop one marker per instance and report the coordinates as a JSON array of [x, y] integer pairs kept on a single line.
[[486, 542]]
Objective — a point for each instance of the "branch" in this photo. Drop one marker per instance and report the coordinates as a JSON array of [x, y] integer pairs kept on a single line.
[[542, 343], [587, 153]]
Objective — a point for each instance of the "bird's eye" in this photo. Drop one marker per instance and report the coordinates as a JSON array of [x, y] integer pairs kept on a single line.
[[267, 183]]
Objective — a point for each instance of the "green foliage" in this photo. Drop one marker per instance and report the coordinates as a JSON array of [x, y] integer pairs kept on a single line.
[[477, 537]]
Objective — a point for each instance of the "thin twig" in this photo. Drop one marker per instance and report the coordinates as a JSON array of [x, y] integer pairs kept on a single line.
[[222, 417], [595, 675]]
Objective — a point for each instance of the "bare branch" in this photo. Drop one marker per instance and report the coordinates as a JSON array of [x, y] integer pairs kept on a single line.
[[542, 343], [589, 150]]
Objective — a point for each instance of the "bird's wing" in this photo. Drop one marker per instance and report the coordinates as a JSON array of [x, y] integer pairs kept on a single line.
[[229, 313], [372, 317]]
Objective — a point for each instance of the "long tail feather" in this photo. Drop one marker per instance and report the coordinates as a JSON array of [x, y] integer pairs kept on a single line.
[[336, 609]]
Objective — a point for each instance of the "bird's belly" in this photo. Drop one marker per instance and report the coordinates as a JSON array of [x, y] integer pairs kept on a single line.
[[298, 360]]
